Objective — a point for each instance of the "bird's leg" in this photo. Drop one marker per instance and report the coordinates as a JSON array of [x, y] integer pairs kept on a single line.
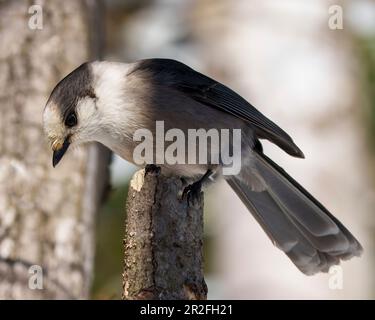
[[192, 191], [152, 169]]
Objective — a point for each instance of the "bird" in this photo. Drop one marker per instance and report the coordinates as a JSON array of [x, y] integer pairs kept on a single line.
[[107, 102]]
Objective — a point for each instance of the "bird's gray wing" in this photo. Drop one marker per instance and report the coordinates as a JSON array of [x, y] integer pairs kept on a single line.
[[214, 94]]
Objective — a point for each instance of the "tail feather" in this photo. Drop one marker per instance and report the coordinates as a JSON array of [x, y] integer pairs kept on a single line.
[[294, 220]]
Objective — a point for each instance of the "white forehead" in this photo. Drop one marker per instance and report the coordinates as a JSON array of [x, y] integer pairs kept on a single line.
[[52, 121]]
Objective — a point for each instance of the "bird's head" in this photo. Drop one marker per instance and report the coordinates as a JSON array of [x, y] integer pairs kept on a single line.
[[74, 111], [69, 111]]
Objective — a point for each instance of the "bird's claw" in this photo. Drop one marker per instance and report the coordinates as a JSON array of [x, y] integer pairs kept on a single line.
[[152, 169], [192, 193]]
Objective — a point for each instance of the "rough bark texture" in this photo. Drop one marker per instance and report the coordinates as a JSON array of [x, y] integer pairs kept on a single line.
[[163, 241], [46, 215]]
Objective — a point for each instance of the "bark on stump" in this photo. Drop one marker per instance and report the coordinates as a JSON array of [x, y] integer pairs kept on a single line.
[[163, 241]]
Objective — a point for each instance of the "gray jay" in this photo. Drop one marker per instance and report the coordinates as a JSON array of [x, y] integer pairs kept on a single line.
[[107, 102]]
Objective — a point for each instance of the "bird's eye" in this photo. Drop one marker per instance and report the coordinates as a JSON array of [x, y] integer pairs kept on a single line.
[[71, 120]]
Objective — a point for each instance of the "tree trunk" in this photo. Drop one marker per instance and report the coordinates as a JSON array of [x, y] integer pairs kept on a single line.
[[46, 215], [163, 241]]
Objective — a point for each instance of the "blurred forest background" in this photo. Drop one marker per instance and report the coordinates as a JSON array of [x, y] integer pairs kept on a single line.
[[316, 82]]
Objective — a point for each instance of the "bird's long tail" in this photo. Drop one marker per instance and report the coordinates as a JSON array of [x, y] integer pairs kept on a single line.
[[293, 219]]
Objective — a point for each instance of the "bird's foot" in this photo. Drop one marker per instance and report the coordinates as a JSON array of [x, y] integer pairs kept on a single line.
[[192, 193], [152, 169]]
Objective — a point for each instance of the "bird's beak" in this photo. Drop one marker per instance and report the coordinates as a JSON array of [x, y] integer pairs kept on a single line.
[[59, 150]]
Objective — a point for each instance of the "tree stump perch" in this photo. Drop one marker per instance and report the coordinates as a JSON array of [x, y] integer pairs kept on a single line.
[[163, 242]]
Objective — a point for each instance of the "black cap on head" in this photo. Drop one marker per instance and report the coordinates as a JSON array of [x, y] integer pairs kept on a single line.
[[75, 85]]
